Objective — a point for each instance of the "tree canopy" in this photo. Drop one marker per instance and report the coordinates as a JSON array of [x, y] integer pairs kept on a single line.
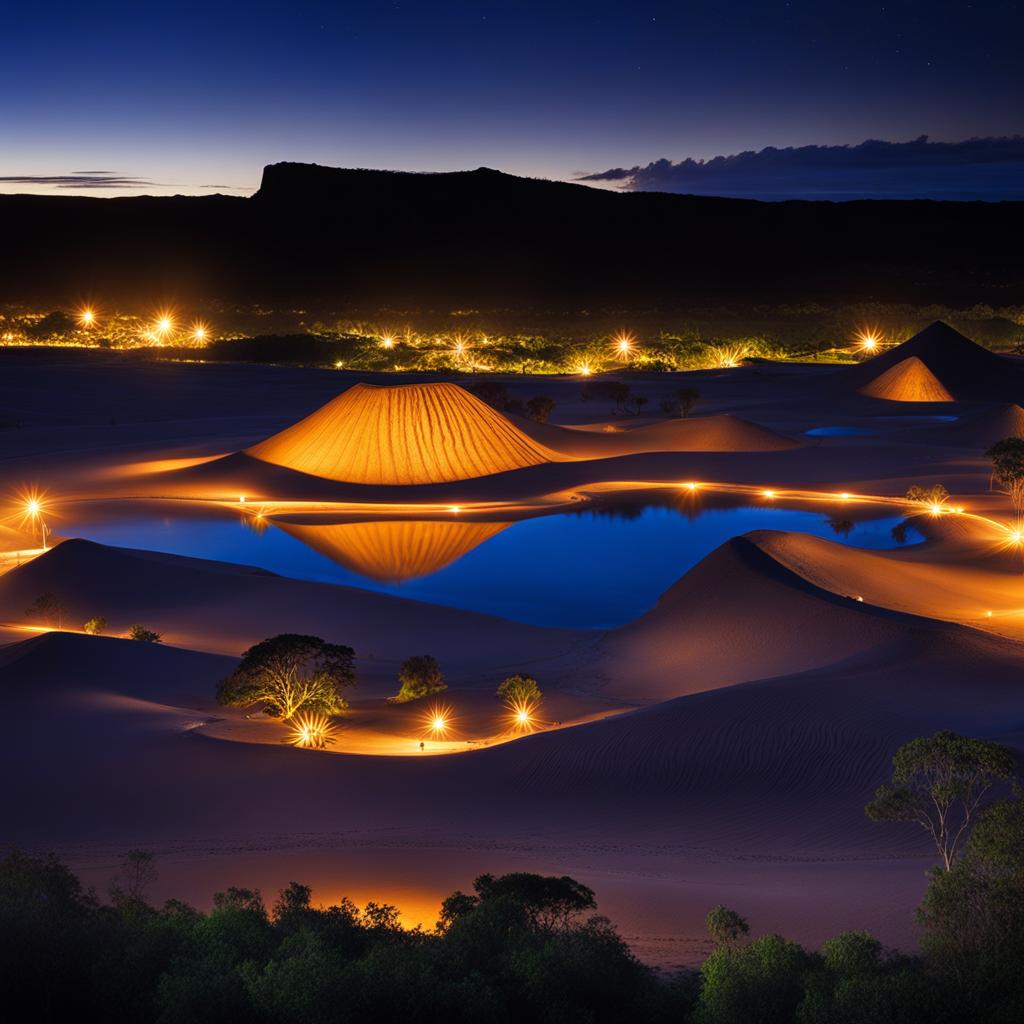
[[291, 673], [940, 782], [419, 676], [520, 689]]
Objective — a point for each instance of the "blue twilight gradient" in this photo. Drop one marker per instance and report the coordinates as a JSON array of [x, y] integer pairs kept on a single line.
[[579, 570], [198, 97]]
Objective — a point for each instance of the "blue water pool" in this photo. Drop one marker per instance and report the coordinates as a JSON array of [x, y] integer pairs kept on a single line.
[[842, 431], [584, 569]]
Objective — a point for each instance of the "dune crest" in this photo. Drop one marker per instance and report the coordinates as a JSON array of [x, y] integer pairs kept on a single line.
[[908, 381], [407, 434], [391, 552]]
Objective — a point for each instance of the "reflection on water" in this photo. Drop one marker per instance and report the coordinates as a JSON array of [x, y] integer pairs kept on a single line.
[[596, 567], [392, 552]]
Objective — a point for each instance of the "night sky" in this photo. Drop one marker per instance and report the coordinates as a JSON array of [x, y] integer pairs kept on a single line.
[[126, 98]]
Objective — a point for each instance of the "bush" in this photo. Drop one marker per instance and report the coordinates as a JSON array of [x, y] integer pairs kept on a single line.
[[419, 677], [540, 408], [520, 689], [95, 626], [761, 982], [139, 632]]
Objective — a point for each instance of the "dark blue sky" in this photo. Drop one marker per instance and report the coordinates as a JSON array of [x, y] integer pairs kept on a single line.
[[197, 97]]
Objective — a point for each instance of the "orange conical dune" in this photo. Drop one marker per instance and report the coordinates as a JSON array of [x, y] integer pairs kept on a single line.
[[908, 381], [409, 434], [391, 552]]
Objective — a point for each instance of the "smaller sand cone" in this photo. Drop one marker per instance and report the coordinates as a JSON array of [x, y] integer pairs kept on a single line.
[[908, 381]]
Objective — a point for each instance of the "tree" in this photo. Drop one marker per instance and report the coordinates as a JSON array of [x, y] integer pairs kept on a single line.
[[637, 402], [762, 981], [936, 495], [725, 926], [687, 398], [137, 873], [606, 390], [940, 782], [47, 609], [493, 393], [291, 673], [139, 632], [1008, 468], [973, 914], [520, 689], [547, 903], [418, 677], [95, 626], [540, 407]]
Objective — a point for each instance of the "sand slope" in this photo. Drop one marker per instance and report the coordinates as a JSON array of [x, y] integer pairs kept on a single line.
[[407, 434], [982, 431], [720, 433], [908, 381], [739, 615], [226, 608]]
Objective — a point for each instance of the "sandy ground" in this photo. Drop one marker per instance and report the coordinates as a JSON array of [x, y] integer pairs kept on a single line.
[[718, 749]]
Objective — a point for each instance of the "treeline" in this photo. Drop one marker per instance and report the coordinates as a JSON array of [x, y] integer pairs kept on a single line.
[[520, 947]]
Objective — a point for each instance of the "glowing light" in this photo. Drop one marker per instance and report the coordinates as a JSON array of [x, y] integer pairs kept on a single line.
[[522, 715], [729, 357], [338, 364], [691, 486], [313, 732], [387, 341], [455, 509], [241, 499], [199, 332], [164, 324], [437, 721], [585, 370], [87, 318], [869, 341], [936, 509], [844, 496], [624, 345], [33, 509], [768, 494]]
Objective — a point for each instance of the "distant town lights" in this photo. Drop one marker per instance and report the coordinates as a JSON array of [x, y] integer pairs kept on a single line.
[[87, 317]]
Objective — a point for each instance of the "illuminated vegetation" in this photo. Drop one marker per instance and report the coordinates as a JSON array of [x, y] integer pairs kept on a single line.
[[476, 342], [146, 636], [290, 673], [419, 676]]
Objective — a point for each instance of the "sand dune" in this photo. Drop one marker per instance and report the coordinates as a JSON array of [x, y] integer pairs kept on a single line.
[[960, 367], [408, 434], [393, 551], [720, 433], [736, 616], [225, 608], [908, 381], [983, 430]]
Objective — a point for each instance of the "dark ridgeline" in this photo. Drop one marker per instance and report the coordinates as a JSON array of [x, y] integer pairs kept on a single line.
[[318, 237]]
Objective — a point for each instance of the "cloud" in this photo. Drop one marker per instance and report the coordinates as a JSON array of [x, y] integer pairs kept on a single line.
[[980, 168], [79, 179]]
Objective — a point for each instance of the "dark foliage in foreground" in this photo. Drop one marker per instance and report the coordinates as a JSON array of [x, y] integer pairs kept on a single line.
[[520, 947]]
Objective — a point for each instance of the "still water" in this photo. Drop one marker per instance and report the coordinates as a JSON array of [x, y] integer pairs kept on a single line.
[[593, 568]]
